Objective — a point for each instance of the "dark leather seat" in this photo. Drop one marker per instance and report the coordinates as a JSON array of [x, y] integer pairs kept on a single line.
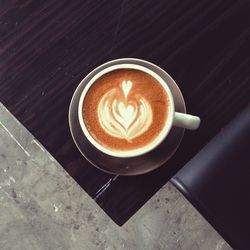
[[217, 181]]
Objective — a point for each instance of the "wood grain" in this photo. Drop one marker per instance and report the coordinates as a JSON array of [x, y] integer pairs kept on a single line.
[[47, 47]]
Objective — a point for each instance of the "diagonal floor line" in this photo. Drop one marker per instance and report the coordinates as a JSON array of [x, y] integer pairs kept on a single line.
[[17, 142]]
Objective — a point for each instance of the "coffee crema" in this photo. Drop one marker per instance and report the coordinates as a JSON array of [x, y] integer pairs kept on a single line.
[[125, 109]]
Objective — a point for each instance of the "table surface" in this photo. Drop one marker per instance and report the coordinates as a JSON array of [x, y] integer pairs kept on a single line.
[[47, 47]]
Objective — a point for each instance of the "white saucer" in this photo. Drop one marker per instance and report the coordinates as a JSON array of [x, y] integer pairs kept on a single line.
[[134, 165]]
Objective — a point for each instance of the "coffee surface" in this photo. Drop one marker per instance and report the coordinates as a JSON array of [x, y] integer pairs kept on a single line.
[[125, 109]]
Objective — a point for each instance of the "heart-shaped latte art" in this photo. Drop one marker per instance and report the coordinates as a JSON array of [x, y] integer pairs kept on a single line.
[[126, 87], [126, 114], [121, 117]]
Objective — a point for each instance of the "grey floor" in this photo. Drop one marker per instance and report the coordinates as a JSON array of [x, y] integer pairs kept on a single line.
[[42, 207]]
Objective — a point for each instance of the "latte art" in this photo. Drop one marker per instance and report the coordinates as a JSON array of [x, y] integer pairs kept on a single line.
[[125, 109], [122, 115]]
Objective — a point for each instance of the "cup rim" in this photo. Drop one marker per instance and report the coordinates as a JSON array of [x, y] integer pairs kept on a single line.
[[133, 152]]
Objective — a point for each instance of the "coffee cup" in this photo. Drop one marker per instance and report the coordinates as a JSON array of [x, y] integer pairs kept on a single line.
[[172, 119]]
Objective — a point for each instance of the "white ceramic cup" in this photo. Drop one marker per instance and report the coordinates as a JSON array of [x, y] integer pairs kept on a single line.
[[173, 119]]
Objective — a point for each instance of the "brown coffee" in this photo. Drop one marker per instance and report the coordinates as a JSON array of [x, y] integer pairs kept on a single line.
[[125, 109]]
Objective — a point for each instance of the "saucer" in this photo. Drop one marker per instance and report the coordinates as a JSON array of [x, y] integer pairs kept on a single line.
[[133, 165]]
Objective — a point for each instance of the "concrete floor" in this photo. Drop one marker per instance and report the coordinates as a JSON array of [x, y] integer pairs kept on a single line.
[[42, 207]]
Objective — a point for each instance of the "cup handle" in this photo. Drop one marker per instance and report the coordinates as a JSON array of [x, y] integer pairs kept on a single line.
[[182, 120]]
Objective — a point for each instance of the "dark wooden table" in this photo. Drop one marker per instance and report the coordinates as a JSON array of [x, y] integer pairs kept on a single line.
[[47, 47]]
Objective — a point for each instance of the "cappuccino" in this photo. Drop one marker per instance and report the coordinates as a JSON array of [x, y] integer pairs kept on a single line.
[[125, 109]]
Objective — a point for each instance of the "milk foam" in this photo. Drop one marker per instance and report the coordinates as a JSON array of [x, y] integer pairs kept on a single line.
[[122, 116]]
